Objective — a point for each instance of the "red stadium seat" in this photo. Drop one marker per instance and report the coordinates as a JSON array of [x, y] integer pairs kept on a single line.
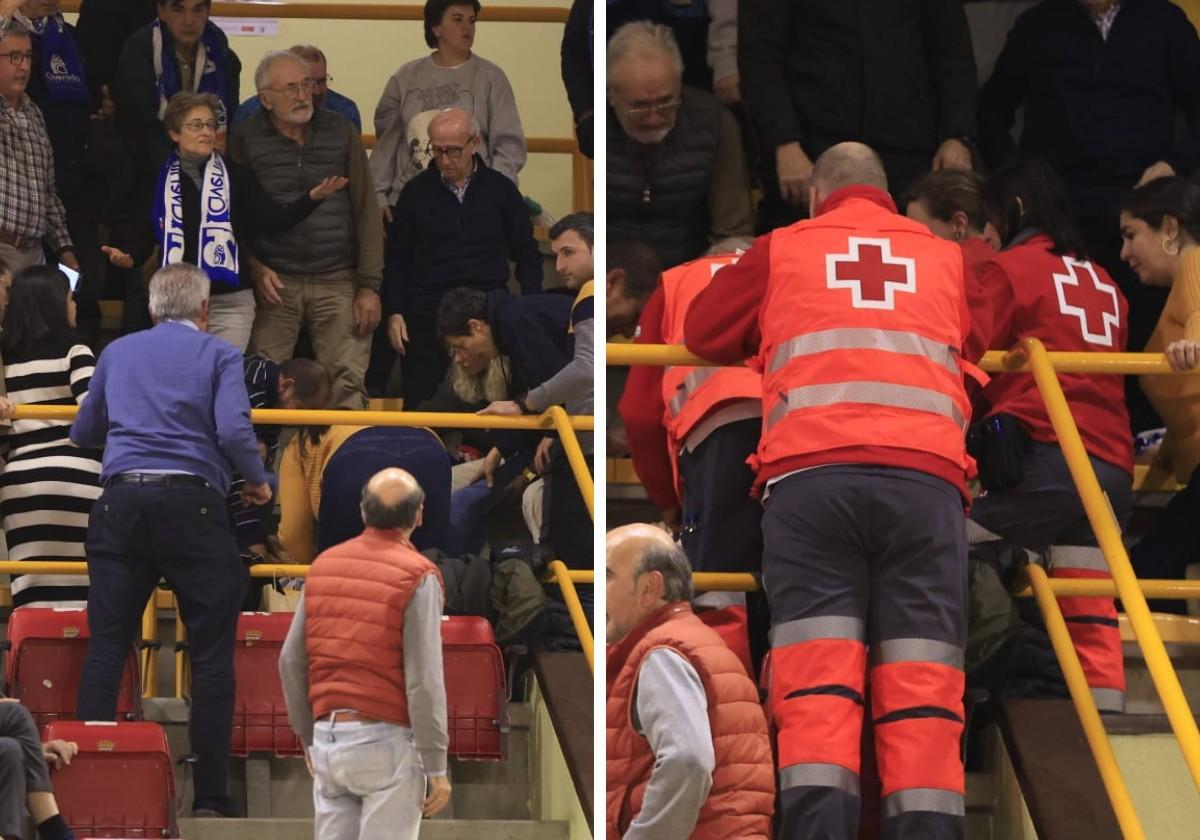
[[260, 722], [46, 647], [120, 784], [475, 689]]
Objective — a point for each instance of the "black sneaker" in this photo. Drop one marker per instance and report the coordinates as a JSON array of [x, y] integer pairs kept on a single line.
[[215, 809]]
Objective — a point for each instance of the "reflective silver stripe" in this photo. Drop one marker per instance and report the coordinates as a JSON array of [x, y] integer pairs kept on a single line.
[[719, 600], [1077, 557], [894, 341], [976, 533], [916, 650], [820, 627], [870, 393], [690, 383], [1109, 699], [924, 799], [818, 775]]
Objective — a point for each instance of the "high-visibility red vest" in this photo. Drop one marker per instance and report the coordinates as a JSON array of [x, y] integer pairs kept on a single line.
[[742, 797], [354, 601], [691, 393], [862, 325]]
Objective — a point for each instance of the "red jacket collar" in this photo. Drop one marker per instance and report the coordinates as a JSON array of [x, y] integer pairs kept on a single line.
[[873, 194], [619, 652]]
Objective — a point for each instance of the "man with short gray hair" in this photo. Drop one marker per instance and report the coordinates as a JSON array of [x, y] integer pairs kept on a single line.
[[687, 747], [169, 407], [384, 694]]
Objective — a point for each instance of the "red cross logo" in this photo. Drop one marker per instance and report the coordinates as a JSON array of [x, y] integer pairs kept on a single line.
[[1092, 301], [871, 273]]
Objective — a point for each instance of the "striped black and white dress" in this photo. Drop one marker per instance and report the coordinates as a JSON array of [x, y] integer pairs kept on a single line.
[[48, 484]]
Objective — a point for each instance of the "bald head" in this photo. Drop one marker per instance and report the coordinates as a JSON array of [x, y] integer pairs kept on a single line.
[[453, 127], [846, 165], [392, 499], [645, 571]]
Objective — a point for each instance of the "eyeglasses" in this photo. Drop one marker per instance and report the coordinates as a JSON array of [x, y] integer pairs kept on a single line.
[[295, 90], [18, 58], [663, 108], [452, 152], [200, 125]]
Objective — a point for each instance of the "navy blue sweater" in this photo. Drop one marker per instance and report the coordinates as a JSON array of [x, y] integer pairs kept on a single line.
[[1100, 111], [437, 244]]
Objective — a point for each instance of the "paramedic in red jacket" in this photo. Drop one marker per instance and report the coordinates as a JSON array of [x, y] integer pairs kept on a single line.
[[1042, 284], [856, 319]]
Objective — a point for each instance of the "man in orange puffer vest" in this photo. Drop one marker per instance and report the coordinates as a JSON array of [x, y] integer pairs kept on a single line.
[[363, 658], [688, 757], [856, 319]]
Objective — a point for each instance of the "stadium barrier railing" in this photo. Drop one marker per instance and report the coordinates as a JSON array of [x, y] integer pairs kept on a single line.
[[1031, 356]]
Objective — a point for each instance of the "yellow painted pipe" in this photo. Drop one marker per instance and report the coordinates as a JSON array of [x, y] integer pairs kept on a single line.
[[1085, 705], [149, 654], [575, 609], [579, 467], [1096, 588], [1108, 534], [724, 582], [365, 11]]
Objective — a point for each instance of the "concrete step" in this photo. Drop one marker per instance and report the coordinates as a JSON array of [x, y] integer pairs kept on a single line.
[[435, 829]]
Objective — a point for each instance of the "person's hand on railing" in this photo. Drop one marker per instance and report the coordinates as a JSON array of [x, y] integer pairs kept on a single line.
[[256, 494], [58, 754], [490, 462], [502, 408], [328, 187], [117, 257], [6, 408], [1183, 354], [397, 333], [541, 456]]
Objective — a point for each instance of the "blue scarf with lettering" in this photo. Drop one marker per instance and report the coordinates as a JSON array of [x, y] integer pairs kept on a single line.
[[217, 251], [210, 69], [61, 68]]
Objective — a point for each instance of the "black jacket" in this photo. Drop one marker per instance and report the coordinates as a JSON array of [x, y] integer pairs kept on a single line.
[[1100, 111], [67, 123], [103, 27], [898, 75]]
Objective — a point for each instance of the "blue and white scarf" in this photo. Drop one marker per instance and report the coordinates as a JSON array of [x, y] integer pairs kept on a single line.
[[210, 69], [217, 250], [61, 68]]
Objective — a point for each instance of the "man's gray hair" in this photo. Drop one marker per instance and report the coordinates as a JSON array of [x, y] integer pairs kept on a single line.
[[641, 38], [15, 27], [848, 164], [673, 564], [178, 292], [309, 52], [262, 74], [473, 125]]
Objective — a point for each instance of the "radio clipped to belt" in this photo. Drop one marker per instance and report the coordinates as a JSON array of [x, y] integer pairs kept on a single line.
[[998, 444]]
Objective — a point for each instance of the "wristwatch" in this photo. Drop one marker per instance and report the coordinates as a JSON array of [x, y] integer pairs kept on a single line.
[[521, 404]]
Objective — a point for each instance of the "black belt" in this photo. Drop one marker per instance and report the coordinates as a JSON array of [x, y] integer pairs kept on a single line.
[[163, 479], [21, 243]]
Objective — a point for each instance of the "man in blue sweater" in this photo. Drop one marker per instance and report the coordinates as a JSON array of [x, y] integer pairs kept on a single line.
[[170, 409]]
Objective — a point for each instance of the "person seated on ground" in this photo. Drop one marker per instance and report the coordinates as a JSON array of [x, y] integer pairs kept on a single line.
[[25, 777], [48, 484], [323, 468], [204, 209], [687, 745], [1160, 225], [323, 95]]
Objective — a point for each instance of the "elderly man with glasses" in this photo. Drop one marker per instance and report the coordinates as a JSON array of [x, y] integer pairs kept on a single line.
[[458, 223], [325, 272], [677, 178]]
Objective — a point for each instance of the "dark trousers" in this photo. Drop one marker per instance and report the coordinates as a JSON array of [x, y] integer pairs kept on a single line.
[[1171, 544], [568, 525], [366, 453], [136, 535], [22, 767], [857, 555], [424, 363]]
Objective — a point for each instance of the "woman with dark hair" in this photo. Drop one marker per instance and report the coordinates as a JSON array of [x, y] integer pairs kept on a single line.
[[452, 76], [1160, 226], [48, 484], [1041, 285]]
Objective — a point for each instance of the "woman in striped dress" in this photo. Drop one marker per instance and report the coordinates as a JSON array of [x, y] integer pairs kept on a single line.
[[48, 484]]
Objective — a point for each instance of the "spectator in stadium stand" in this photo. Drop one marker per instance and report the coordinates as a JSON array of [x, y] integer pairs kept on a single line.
[[632, 274], [863, 463], [324, 467], [372, 713], [323, 95], [579, 71], [450, 77], [32, 214], [324, 273], [169, 407], [457, 223], [48, 484], [691, 431], [572, 387], [816, 72], [1101, 85], [25, 776], [687, 750], [1042, 285], [203, 207], [677, 179], [102, 28], [1160, 226]]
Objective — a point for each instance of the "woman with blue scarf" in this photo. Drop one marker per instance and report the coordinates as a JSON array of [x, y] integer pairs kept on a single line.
[[203, 208]]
